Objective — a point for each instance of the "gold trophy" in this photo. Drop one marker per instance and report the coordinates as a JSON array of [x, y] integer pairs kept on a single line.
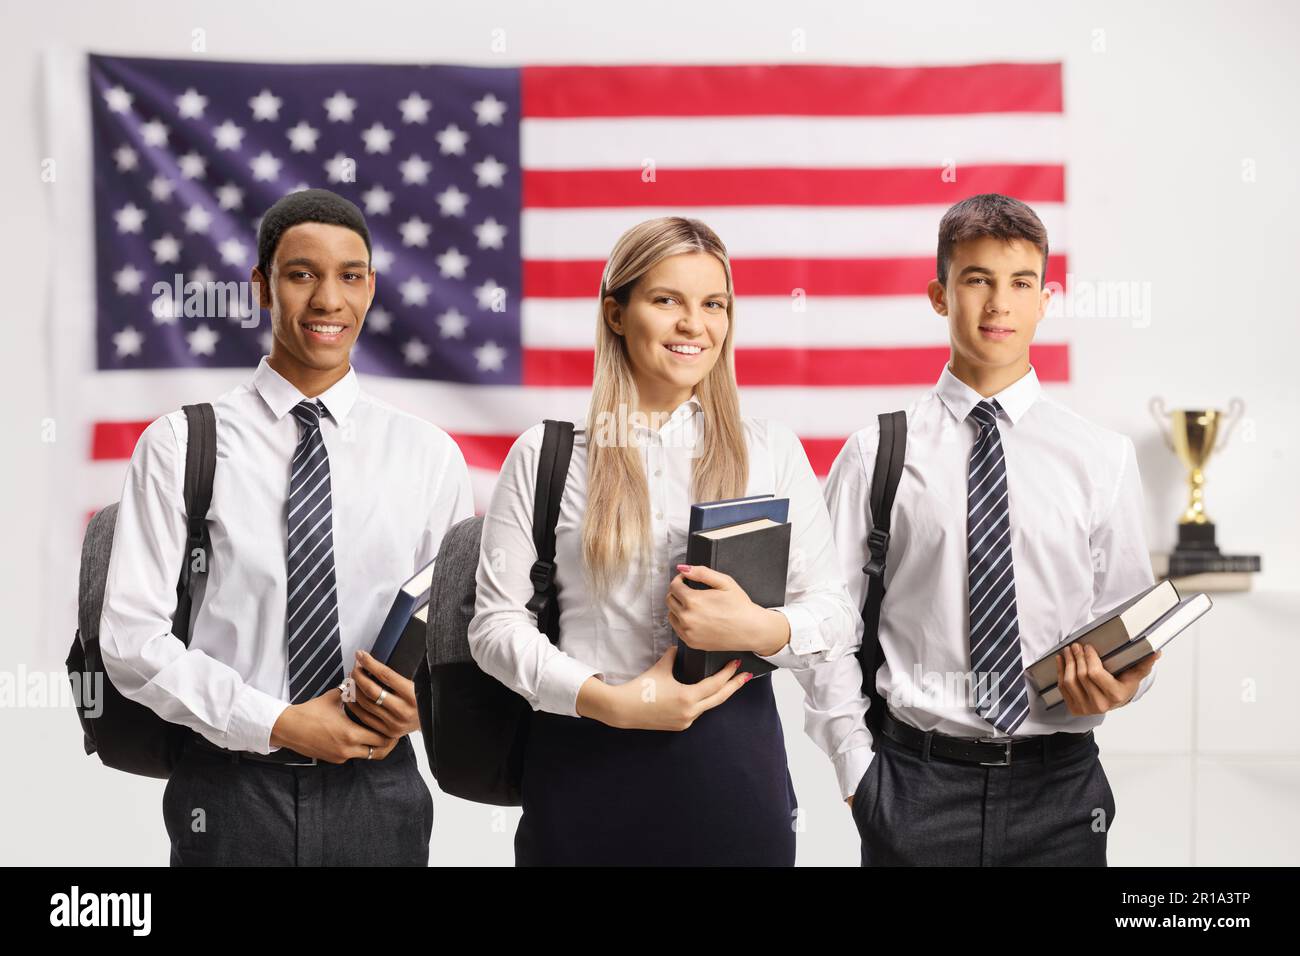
[[1194, 435]]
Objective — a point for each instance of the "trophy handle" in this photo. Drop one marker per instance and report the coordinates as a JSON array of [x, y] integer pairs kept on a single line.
[[1235, 408], [1158, 412]]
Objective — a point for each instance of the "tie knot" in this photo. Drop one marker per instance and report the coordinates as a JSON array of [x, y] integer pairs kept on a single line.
[[986, 413], [308, 412]]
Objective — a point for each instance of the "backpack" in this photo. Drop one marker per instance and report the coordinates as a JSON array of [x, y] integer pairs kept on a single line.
[[475, 728], [884, 485], [125, 734]]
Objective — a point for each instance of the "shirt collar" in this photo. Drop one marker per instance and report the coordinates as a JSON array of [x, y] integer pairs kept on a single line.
[[281, 395], [1015, 399], [682, 412]]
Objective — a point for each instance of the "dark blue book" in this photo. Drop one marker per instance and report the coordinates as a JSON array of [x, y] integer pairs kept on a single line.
[[411, 596], [708, 515], [401, 640]]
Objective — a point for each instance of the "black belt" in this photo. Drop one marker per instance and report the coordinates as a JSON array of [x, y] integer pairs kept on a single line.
[[284, 756], [979, 750]]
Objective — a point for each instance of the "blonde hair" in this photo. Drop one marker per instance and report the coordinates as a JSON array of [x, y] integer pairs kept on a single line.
[[617, 522]]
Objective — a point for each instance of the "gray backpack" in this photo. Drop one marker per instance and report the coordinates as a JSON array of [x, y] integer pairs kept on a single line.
[[475, 728], [128, 735]]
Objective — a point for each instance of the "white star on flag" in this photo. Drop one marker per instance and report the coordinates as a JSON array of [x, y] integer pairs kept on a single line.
[[302, 138], [415, 352], [490, 172], [415, 171], [166, 249], [452, 202], [126, 159], [154, 133], [452, 140], [452, 264], [415, 291], [415, 108], [489, 111], [228, 136], [265, 106], [340, 107], [378, 200], [452, 325], [491, 234], [197, 219], [265, 167], [128, 279], [191, 104], [203, 340], [118, 99], [127, 341], [491, 357], [378, 138], [230, 196], [415, 232], [129, 218]]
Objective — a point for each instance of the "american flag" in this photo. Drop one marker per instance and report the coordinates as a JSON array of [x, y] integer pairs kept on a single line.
[[494, 194]]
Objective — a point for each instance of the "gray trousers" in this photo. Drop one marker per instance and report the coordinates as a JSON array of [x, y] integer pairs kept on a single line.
[[938, 812], [221, 811]]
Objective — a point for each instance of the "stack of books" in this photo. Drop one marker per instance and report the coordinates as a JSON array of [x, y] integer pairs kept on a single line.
[[1126, 635], [748, 539]]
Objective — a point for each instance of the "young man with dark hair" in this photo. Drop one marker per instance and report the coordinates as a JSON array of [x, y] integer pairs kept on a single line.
[[325, 500], [1016, 521]]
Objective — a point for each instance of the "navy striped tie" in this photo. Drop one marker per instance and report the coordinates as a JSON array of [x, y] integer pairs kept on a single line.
[[312, 626], [997, 671]]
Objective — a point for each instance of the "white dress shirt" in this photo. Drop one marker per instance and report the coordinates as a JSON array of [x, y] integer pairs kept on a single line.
[[623, 635], [397, 483], [1078, 549]]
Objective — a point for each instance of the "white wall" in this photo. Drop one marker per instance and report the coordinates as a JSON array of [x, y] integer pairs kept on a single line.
[[1160, 124]]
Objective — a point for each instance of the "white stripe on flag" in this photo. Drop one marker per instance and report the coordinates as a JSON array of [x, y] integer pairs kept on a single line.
[[762, 232], [805, 141]]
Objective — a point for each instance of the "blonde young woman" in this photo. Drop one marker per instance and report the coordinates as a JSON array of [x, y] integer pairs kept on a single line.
[[624, 764]]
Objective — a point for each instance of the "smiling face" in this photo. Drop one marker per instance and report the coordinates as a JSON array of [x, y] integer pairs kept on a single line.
[[674, 326], [319, 290], [993, 299]]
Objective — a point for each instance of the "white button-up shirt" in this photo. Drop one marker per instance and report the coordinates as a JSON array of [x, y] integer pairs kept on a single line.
[[397, 483], [1078, 547], [623, 635]]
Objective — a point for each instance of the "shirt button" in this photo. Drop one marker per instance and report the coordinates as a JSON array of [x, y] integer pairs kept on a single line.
[[658, 472], [659, 515]]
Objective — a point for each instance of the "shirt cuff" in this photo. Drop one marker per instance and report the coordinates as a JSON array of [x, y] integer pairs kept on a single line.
[[849, 768], [562, 678], [1143, 686], [805, 639], [252, 721]]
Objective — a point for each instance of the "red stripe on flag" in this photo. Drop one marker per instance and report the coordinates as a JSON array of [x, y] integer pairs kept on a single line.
[[484, 451], [574, 189], [789, 90], [802, 367], [576, 279], [114, 441]]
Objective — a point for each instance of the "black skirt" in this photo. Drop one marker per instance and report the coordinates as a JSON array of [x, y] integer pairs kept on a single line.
[[716, 794]]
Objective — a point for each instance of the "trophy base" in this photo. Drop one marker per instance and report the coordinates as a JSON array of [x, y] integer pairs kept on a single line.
[[1196, 538], [1197, 553]]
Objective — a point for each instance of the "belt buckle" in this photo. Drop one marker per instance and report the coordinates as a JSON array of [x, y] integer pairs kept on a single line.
[[310, 762], [1004, 743]]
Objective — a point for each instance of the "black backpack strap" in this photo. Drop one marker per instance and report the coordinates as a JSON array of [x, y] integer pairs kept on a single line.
[[200, 468], [552, 470], [884, 485]]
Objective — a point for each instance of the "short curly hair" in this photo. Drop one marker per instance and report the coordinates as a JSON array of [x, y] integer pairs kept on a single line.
[[306, 205]]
